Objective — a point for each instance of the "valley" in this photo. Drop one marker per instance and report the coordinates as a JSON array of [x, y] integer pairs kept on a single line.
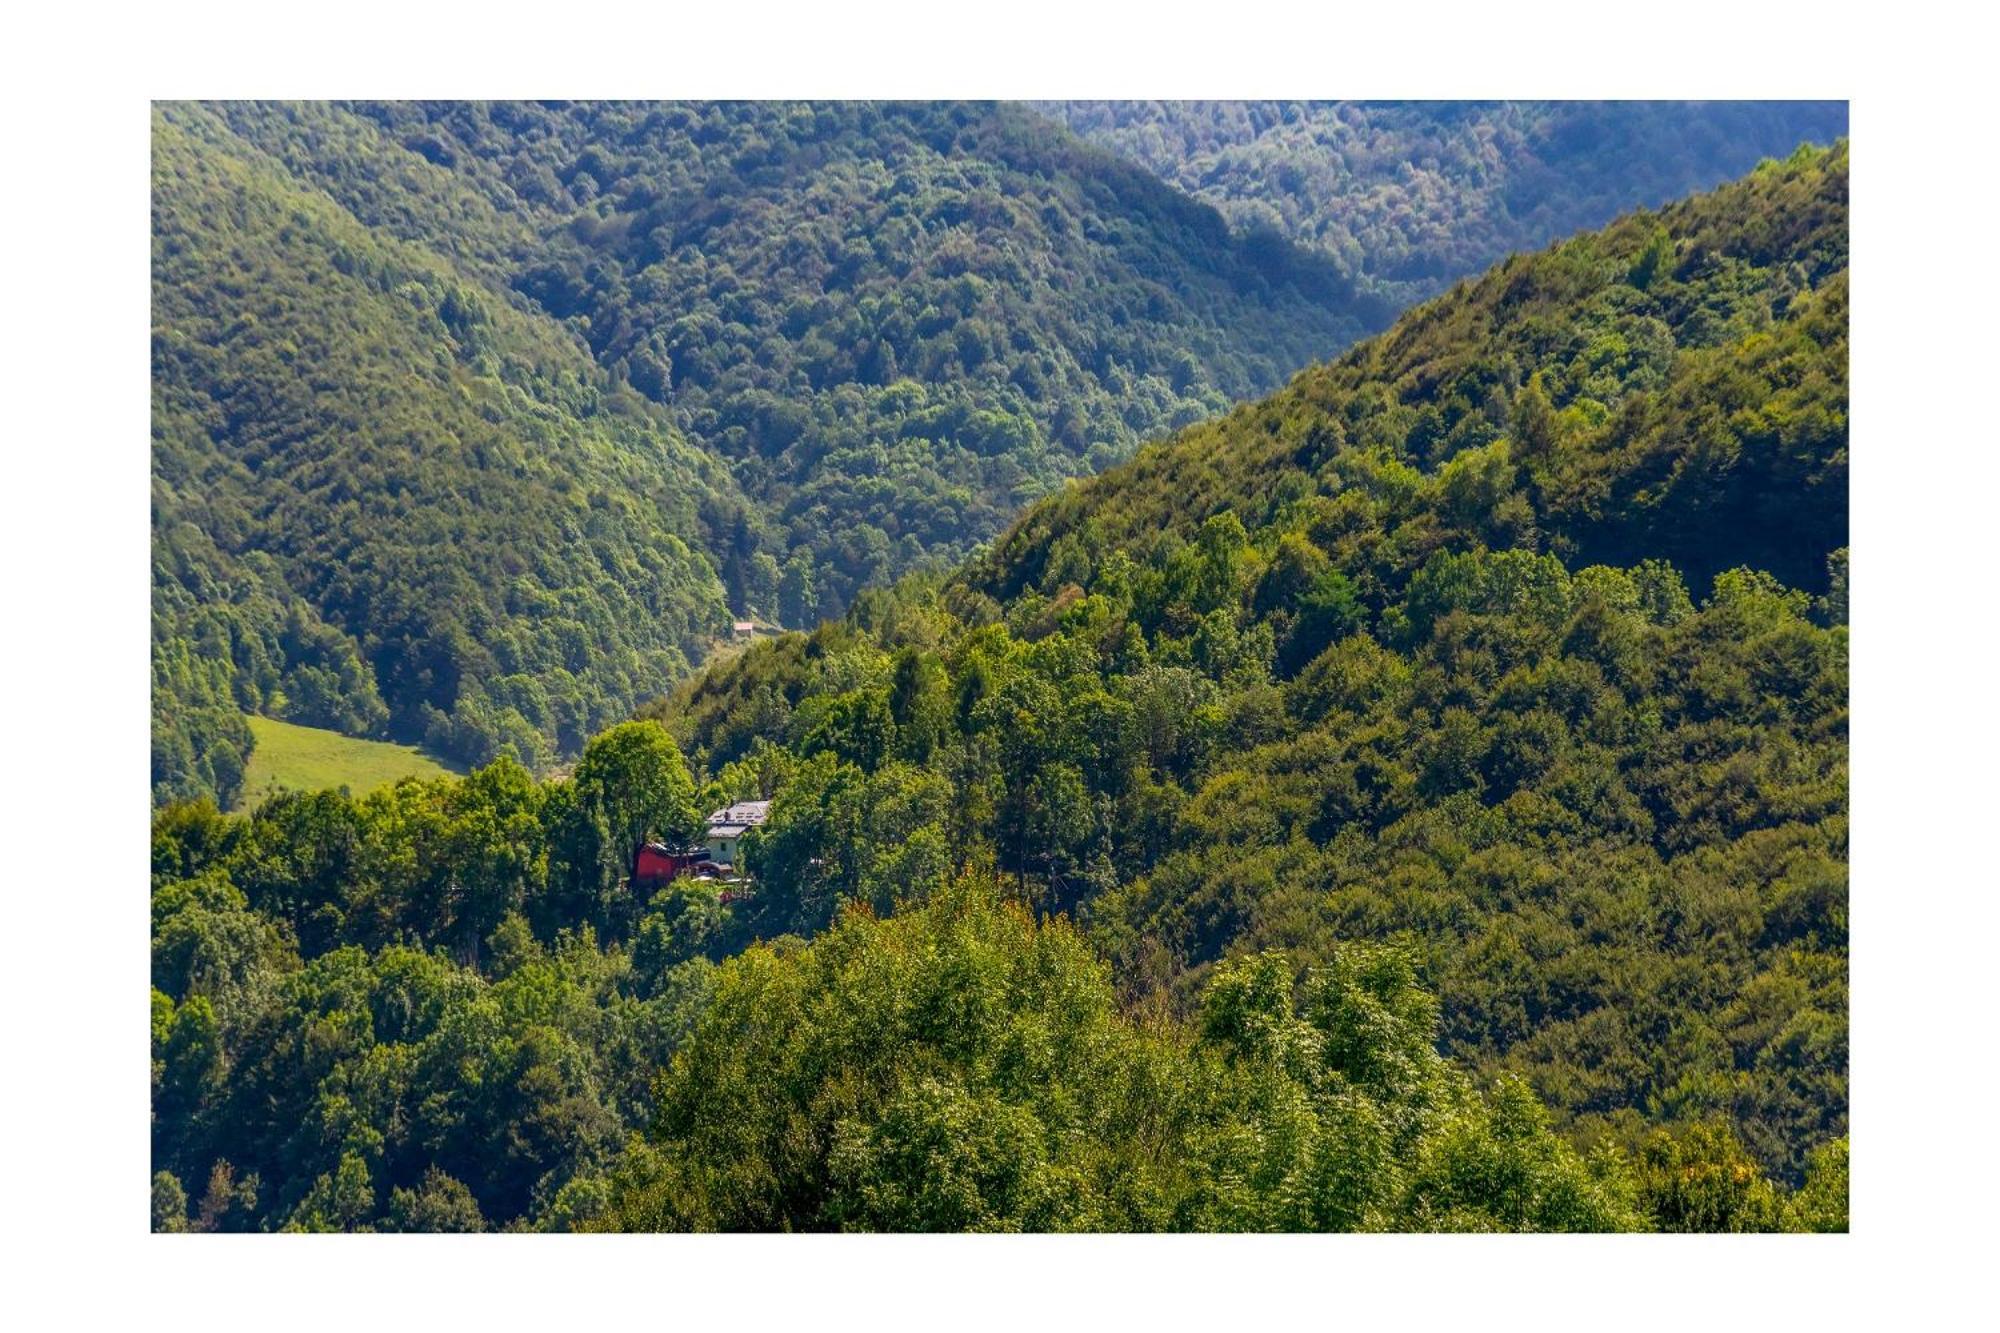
[[474, 423], [1392, 774]]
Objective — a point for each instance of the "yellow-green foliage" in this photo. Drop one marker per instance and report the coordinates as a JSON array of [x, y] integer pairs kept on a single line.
[[959, 1068], [290, 757]]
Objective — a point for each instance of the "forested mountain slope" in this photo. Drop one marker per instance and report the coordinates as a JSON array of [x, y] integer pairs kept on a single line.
[[1518, 634], [383, 497], [899, 321], [1673, 387], [1410, 196], [462, 409], [1419, 870], [437, 1008], [456, 405]]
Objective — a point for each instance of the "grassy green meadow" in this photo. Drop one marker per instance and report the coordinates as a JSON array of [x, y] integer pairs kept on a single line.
[[296, 758]]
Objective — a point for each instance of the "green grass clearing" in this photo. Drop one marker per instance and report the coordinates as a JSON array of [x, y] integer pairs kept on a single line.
[[290, 757]]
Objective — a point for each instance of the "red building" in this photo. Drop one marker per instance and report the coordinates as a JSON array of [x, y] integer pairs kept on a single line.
[[654, 865]]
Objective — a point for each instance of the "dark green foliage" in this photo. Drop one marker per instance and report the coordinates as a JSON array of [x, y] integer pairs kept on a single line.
[[1701, 421], [1409, 196], [424, 377], [474, 422], [230, 637], [352, 1010], [630, 787]]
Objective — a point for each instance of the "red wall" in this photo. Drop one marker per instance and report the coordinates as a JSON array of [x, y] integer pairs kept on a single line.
[[653, 864]]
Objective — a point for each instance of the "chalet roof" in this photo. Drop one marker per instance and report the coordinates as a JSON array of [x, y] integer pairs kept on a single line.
[[733, 821]]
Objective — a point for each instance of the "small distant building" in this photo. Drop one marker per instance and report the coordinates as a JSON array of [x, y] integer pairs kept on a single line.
[[742, 629], [727, 826], [655, 864]]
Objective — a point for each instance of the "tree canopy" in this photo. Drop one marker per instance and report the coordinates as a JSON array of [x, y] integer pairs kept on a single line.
[[1415, 801], [387, 501], [475, 424], [1448, 642]]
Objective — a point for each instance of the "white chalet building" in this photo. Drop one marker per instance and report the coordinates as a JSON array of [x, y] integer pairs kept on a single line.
[[727, 826]]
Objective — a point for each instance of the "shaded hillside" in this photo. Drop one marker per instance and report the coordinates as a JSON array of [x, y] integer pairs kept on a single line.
[[474, 421], [456, 406], [1423, 868], [1410, 196]]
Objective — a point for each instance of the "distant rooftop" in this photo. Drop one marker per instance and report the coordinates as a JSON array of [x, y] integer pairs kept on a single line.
[[732, 820]]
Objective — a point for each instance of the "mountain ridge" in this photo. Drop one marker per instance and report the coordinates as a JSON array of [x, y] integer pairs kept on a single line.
[[367, 434], [1461, 639], [809, 347], [1299, 828]]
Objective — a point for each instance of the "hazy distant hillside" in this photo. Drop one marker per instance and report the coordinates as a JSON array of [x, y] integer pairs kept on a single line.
[[1410, 196], [474, 422]]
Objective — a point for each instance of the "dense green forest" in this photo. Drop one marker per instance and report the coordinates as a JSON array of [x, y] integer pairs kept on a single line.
[[387, 502], [474, 423], [898, 321], [1415, 801], [1409, 196], [436, 1009], [1519, 631]]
